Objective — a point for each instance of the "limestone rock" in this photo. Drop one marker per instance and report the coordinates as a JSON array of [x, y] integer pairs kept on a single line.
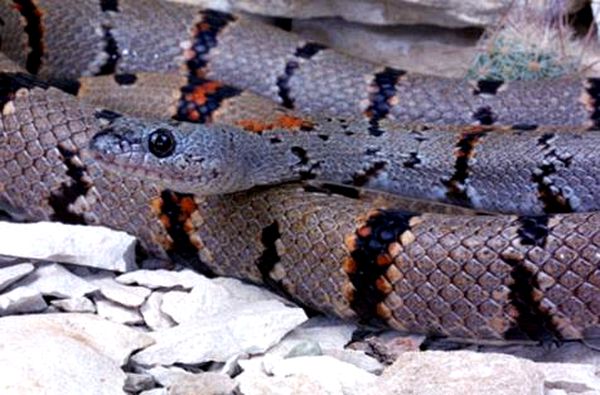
[[311, 374], [185, 279], [212, 297], [21, 300], [75, 305], [10, 274], [460, 372], [58, 242], [118, 313], [451, 13], [136, 382], [250, 328], [125, 295], [64, 354], [180, 382], [54, 280], [152, 313]]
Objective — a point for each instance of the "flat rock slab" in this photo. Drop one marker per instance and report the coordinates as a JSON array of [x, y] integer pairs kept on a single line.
[[126, 295], [54, 280], [251, 328], [303, 375], [10, 274], [92, 246], [65, 354], [161, 278], [460, 372], [21, 300]]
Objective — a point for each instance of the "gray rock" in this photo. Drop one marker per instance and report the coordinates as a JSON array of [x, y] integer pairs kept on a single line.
[[327, 333], [64, 354], [451, 13], [186, 279], [21, 300], [388, 345], [424, 49], [303, 375], [54, 280], [75, 305], [152, 313], [179, 382], [130, 296], [571, 378], [460, 372], [358, 359], [58, 242], [10, 274], [136, 382], [250, 328], [117, 313], [305, 348], [211, 297], [177, 306], [155, 391]]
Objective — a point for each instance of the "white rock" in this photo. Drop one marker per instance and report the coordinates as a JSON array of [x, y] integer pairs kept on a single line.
[[10, 274], [75, 305], [21, 300], [180, 382], [242, 291], [451, 13], [176, 306], [571, 377], [251, 328], [358, 359], [64, 354], [212, 297], [126, 295], [460, 372], [162, 278], [155, 391], [136, 382], [152, 313], [423, 49], [328, 333], [92, 246], [54, 280], [323, 374], [117, 313]]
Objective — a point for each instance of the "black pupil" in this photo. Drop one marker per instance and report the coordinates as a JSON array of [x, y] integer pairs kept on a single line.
[[161, 143]]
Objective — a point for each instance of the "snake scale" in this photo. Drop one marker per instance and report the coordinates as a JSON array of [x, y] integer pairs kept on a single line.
[[416, 266]]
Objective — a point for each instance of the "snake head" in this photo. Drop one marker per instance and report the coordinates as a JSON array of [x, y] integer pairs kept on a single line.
[[182, 157]]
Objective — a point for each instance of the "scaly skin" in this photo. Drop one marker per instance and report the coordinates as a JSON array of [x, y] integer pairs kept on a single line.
[[496, 277], [74, 38], [512, 171]]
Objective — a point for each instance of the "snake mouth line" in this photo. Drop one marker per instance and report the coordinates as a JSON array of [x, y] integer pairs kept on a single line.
[[107, 161]]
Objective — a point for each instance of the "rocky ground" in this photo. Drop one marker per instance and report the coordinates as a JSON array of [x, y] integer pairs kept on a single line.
[[97, 324]]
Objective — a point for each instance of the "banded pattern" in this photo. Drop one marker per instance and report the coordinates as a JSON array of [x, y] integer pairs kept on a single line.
[[356, 254]]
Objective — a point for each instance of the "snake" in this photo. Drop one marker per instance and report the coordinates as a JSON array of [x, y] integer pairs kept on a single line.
[[90, 153]]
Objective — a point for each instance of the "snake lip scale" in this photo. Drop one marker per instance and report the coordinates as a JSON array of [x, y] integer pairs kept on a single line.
[[408, 263]]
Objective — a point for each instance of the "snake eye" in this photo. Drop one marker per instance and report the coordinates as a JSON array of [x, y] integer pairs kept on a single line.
[[161, 143]]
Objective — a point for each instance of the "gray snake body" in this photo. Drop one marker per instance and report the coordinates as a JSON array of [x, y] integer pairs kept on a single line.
[[336, 249]]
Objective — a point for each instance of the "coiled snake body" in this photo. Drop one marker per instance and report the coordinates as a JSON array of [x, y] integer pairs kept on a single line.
[[353, 253]]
